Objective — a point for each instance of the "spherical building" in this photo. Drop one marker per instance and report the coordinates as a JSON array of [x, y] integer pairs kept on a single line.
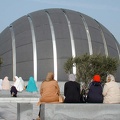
[[43, 40]]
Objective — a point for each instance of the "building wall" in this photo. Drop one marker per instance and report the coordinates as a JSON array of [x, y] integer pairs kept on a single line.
[[43, 40]]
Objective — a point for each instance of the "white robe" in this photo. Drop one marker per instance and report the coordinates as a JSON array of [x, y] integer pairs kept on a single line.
[[18, 84], [0, 84]]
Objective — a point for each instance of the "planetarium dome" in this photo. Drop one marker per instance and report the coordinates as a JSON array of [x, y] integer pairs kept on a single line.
[[43, 40]]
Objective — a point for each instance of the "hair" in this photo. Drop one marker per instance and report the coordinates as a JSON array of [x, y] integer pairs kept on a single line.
[[50, 76]]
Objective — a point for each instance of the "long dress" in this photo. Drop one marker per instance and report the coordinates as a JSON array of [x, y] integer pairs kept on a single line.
[[5, 84], [72, 92], [18, 84], [49, 91], [31, 87]]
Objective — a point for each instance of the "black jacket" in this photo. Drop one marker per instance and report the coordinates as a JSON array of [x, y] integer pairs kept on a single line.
[[72, 92], [95, 93]]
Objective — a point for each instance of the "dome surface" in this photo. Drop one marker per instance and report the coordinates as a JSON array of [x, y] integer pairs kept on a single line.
[[42, 41]]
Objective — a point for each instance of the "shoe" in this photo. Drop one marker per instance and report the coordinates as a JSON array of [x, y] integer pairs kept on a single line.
[[12, 94], [38, 118]]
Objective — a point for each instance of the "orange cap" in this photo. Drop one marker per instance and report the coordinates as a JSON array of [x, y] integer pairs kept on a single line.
[[96, 78]]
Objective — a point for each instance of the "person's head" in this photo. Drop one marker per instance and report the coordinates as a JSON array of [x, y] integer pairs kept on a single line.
[[96, 78], [50, 76], [110, 78], [15, 78], [71, 77], [6, 77]]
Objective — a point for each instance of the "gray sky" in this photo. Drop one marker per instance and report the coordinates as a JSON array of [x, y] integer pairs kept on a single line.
[[104, 11]]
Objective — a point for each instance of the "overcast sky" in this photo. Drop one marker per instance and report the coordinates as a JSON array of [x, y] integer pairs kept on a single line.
[[107, 12]]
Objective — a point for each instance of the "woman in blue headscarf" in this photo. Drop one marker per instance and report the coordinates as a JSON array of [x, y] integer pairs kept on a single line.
[[31, 87]]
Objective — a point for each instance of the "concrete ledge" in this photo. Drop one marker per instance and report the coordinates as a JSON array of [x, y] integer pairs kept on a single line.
[[64, 111], [22, 97], [24, 102]]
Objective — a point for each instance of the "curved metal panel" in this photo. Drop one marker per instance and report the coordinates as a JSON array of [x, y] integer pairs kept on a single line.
[[103, 38], [54, 46], [34, 47], [117, 50], [13, 50], [72, 41], [88, 35]]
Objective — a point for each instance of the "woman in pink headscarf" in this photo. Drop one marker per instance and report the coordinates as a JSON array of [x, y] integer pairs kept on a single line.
[[5, 84]]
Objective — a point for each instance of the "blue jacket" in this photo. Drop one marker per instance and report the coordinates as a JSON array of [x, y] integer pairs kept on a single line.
[[95, 93]]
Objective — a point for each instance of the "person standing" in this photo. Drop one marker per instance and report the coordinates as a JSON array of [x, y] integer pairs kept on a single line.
[[95, 91], [111, 90], [72, 90]]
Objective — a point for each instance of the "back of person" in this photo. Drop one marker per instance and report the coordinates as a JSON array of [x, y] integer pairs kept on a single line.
[[95, 91], [5, 84], [18, 84], [49, 91], [111, 91], [72, 90], [31, 86]]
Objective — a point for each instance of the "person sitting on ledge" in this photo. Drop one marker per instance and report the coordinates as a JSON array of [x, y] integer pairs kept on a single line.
[[72, 90], [6, 84], [95, 91], [31, 86], [49, 91], [111, 90]]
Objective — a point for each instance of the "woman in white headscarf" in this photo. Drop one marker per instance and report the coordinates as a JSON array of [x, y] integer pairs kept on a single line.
[[0, 84], [22, 82], [111, 90], [18, 84], [72, 90]]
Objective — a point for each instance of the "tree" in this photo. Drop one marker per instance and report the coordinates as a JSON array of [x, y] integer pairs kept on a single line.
[[89, 65]]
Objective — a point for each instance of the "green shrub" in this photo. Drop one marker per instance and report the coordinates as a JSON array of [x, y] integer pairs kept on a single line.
[[89, 65]]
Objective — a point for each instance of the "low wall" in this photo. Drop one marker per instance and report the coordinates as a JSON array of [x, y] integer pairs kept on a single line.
[[64, 111]]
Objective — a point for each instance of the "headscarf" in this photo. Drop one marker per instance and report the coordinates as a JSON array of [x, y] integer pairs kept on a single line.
[[5, 84], [50, 76], [18, 84], [96, 78], [1, 84], [71, 77], [31, 87], [110, 77]]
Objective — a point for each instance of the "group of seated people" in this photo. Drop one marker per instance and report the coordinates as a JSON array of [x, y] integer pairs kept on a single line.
[[50, 91], [96, 93], [18, 85]]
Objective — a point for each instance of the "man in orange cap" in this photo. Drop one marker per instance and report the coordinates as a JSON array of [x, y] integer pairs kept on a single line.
[[95, 91]]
